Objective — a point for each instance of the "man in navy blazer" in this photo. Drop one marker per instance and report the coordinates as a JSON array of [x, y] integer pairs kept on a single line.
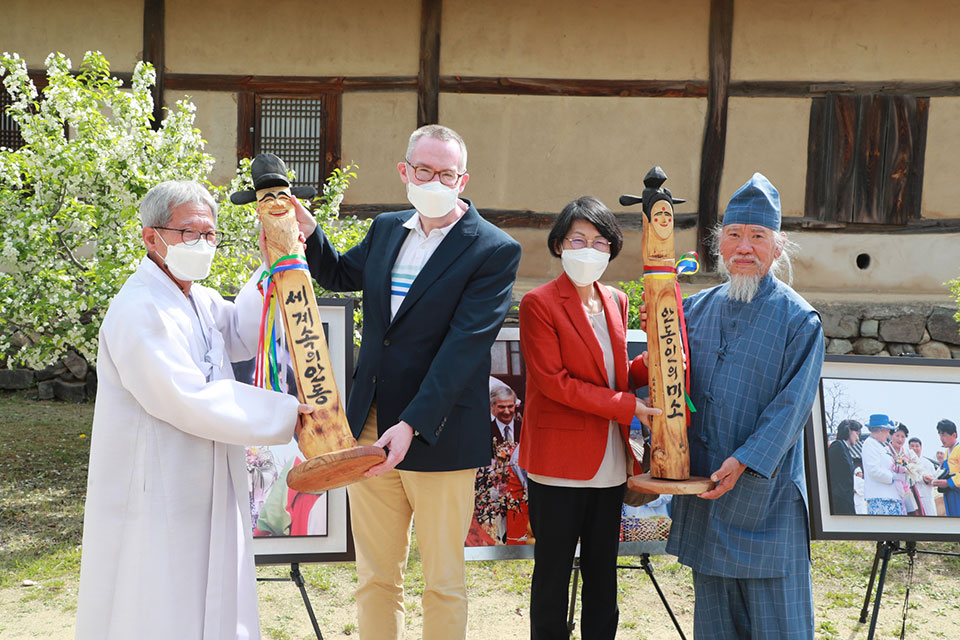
[[437, 282]]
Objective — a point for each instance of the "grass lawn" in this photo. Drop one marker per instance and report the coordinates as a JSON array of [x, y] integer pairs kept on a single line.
[[43, 461]]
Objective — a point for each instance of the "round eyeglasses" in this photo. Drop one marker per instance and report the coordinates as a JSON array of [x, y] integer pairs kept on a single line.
[[579, 243], [448, 177], [191, 237]]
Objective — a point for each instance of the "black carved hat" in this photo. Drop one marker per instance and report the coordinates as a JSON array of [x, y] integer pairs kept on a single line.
[[269, 171], [652, 192]]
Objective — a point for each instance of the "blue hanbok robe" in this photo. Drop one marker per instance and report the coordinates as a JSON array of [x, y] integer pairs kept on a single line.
[[755, 368]]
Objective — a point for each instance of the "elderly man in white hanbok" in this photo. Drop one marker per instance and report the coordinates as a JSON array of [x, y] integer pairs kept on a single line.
[[167, 535]]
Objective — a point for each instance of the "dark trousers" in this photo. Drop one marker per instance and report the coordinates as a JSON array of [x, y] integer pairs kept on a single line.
[[559, 517]]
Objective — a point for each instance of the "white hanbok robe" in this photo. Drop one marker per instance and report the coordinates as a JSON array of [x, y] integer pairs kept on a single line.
[[167, 536], [925, 490]]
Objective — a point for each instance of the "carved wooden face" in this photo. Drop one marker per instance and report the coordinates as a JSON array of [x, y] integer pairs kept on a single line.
[[661, 217], [275, 203]]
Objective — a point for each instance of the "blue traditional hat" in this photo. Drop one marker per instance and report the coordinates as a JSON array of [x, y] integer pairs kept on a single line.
[[756, 202], [880, 421]]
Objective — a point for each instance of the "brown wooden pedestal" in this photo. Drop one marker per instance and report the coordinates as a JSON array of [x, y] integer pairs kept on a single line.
[[645, 483], [335, 469]]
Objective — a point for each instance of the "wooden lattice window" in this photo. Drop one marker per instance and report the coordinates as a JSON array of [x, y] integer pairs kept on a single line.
[[303, 130], [865, 158], [9, 130]]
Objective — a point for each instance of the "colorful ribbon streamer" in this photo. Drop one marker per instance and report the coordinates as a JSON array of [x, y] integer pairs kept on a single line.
[[267, 372]]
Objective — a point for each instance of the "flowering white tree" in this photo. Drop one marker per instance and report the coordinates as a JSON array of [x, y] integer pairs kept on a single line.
[[69, 226], [69, 229]]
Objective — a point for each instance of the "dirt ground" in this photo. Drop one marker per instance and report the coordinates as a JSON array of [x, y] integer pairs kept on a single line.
[[498, 593]]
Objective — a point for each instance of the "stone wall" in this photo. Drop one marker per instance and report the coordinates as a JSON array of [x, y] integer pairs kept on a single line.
[[890, 330], [71, 380], [862, 329]]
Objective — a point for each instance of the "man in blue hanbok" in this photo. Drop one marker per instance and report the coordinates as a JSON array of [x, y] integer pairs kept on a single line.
[[949, 483], [756, 349]]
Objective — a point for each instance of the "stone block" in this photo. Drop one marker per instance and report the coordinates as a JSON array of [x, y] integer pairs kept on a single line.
[[908, 327], [955, 353], [898, 349], [45, 390], [839, 346], [868, 346], [76, 365], [70, 391], [51, 372], [869, 328], [91, 383], [934, 349], [943, 327], [837, 324], [11, 379]]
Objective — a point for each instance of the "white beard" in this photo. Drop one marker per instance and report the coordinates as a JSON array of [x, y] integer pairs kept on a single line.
[[742, 287]]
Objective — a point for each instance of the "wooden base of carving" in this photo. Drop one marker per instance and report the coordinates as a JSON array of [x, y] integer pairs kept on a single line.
[[335, 469], [646, 483]]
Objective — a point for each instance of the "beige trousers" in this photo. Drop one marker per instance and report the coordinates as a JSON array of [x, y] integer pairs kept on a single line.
[[381, 512]]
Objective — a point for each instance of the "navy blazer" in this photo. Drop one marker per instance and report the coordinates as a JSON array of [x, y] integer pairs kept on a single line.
[[429, 366]]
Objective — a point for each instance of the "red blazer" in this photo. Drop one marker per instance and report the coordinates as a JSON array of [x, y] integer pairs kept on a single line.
[[569, 403]]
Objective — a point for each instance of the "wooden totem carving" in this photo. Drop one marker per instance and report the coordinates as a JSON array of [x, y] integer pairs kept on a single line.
[[667, 360], [332, 457]]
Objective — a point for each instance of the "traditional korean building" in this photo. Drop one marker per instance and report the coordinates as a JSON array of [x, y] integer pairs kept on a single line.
[[852, 109]]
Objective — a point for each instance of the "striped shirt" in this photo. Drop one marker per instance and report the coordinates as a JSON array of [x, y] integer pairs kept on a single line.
[[414, 253]]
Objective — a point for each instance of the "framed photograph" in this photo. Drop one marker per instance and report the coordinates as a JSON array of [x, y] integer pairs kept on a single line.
[[889, 467], [290, 526], [499, 530]]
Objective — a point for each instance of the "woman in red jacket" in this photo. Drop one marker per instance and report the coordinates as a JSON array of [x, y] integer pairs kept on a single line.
[[576, 425]]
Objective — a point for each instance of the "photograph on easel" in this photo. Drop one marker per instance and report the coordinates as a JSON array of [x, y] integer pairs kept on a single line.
[[500, 523], [290, 525], [882, 452]]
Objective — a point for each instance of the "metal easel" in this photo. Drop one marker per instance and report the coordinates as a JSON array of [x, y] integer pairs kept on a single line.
[[297, 578], [626, 548], [886, 550]]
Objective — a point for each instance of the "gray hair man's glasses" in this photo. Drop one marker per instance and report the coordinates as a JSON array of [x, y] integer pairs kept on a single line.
[[191, 237]]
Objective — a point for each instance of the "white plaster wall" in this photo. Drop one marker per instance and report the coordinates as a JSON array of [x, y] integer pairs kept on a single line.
[[540, 152], [35, 28], [768, 135], [848, 40], [375, 130], [941, 186], [638, 39], [216, 117], [314, 38], [903, 265]]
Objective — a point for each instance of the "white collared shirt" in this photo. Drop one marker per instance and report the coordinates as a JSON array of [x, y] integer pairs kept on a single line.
[[414, 253]]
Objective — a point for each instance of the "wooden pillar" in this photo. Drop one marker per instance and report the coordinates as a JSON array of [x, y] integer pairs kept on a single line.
[[333, 101], [153, 51], [428, 77], [715, 132]]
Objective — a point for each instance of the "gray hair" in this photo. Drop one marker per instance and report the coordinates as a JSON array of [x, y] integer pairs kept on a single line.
[[782, 265], [157, 206], [439, 132], [502, 392]]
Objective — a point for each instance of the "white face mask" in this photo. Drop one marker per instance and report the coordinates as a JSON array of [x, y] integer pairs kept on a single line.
[[584, 266], [189, 263], [432, 199]]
